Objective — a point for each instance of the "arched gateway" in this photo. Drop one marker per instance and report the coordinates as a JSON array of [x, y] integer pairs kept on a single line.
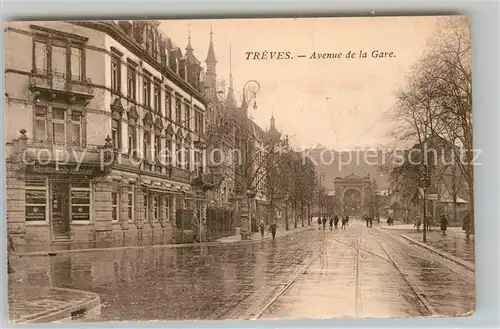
[[353, 194]]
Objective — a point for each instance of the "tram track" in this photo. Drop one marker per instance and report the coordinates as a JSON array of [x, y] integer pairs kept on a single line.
[[303, 270], [404, 275]]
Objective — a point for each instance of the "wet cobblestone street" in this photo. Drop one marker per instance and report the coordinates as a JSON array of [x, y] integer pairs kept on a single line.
[[358, 272]]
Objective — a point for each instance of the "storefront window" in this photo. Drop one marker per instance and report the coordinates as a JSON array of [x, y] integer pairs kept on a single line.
[[130, 205], [156, 207], [145, 204], [114, 206], [80, 201], [36, 200]]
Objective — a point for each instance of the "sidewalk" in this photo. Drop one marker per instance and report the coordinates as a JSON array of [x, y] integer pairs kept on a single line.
[[453, 243], [267, 234], [33, 304]]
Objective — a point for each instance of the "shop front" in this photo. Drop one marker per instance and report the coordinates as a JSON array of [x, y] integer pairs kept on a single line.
[[55, 199]]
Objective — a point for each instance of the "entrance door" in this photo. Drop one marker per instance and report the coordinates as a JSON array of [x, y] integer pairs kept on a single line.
[[60, 211]]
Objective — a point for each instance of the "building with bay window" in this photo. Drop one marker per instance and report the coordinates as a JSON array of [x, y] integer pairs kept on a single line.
[[102, 121]]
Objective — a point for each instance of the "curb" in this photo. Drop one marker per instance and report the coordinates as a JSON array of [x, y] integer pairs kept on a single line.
[[72, 311], [269, 237], [443, 254], [212, 243]]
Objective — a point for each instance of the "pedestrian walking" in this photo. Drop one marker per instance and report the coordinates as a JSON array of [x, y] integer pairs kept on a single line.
[[324, 223], [336, 221], [418, 222], [344, 221], [273, 228], [331, 223], [443, 223], [262, 228], [429, 222], [319, 223]]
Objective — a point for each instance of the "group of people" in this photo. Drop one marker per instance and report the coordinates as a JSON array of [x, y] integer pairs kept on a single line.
[[272, 228], [334, 222], [429, 221]]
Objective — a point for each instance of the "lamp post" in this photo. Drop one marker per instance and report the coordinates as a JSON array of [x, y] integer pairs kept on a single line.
[[252, 87], [424, 183]]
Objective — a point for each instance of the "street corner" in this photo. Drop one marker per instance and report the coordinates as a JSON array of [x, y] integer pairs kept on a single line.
[[36, 304]]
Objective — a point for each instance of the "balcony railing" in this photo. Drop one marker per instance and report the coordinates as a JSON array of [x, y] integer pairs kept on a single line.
[[57, 81]]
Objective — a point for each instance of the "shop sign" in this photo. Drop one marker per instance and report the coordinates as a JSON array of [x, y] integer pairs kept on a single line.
[[35, 213], [80, 213], [60, 170]]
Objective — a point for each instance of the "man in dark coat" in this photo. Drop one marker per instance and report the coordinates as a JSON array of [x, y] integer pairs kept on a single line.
[[336, 221], [444, 224]]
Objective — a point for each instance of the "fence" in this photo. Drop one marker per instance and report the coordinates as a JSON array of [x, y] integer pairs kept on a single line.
[[220, 223]]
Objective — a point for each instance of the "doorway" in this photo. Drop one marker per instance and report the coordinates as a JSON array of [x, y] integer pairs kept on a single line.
[[60, 211]]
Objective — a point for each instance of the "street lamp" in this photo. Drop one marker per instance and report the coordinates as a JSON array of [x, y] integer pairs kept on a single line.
[[424, 184]]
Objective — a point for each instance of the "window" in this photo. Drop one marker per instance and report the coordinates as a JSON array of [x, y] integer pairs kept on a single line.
[[116, 133], [145, 203], [187, 115], [156, 207], [157, 147], [41, 56], [36, 199], [168, 207], [130, 204], [168, 106], [182, 69], [157, 98], [178, 110], [115, 74], [80, 201], [147, 145], [76, 63], [76, 128], [59, 58], [200, 124], [114, 207], [178, 153], [131, 82], [187, 150], [146, 92], [40, 130], [168, 151], [132, 139], [59, 126]]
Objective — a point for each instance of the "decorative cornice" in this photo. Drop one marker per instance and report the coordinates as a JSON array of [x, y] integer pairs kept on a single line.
[[116, 33]]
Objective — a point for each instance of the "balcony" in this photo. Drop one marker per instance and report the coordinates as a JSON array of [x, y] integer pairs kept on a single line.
[[60, 83], [43, 157]]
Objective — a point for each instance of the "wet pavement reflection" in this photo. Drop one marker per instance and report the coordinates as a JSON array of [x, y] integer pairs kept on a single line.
[[352, 277]]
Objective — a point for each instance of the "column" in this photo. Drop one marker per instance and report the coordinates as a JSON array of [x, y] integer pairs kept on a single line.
[[102, 209], [16, 224]]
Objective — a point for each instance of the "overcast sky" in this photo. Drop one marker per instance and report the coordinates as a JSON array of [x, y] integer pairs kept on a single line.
[[337, 103]]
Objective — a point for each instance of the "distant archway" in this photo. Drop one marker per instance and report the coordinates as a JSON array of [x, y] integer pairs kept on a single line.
[[352, 201]]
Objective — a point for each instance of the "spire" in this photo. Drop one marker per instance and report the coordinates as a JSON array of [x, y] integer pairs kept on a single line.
[[273, 123], [211, 53], [230, 100], [189, 48]]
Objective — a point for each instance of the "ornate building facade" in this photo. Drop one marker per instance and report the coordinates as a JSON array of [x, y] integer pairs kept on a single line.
[[103, 119]]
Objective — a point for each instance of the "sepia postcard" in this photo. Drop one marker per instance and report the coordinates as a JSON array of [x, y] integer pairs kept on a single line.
[[239, 169]]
